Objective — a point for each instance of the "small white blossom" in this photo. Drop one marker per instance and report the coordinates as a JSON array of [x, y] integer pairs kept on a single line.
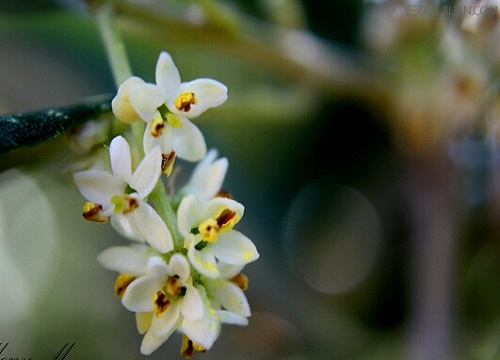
[[207, 227], [162, 299], [121, 196]]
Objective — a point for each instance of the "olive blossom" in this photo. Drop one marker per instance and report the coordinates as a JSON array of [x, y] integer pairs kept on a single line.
[[207, 227], [167, 108], [121, 195]]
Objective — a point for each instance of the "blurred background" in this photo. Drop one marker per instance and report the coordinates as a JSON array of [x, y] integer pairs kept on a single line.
[[361, 138]]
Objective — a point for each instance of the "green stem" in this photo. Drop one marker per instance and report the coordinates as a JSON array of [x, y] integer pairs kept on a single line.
[[160, 200], [115, 48]]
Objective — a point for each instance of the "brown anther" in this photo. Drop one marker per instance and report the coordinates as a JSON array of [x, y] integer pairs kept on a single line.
[[92, 212], [225, 217], [157, 126], [122, 282], [185, 100], [167, 162], [224, 194], [132, 205], [241, 281], [188, 348], [161, 303], [173, 287]]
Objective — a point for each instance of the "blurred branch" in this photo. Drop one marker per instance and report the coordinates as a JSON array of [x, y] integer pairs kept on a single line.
[[298, 55]]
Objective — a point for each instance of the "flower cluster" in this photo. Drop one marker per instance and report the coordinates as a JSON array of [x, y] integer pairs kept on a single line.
[[184, 274]]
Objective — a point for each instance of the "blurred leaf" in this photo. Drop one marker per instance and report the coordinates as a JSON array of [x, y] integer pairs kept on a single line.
[[22, 129]]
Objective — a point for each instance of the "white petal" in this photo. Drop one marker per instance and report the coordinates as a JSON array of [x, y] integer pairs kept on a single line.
[[150, 343], [179, 265], [143, 321], [139, 294], [164, 141], [234, 248], [189, 214], [188, 141], [121, 161], [208, 176], [209, 93], [229, 271], [192, 304], [168, 322], [122, 224], [130, 260], [203, 261], [232, 298], [148, 172], [157, 269], [154, 231], [145, 99], [167, 77], [227, 317], [203, 331], [97, 186], [120, 104]]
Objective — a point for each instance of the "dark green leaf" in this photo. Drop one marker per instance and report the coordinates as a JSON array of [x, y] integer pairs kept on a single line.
[[23, 129]]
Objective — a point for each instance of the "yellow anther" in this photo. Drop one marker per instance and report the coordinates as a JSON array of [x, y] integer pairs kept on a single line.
[[226, 219], [92, 212], [241, 281], [173, 289], [157, 126], [161, 303], [122, 282], [188, 348], [167, 162], [185, 100], [209, 229]]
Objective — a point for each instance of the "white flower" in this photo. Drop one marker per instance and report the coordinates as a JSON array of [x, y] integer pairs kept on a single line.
[[121, 196], [162, 299], [207, 227], [207, 177], [227, 297], [136, 100], [183, 101], [224, 302]]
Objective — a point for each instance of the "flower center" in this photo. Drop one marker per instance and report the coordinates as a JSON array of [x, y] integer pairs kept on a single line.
[[185, 100], [124, 203], [210, 228], [170, 292]]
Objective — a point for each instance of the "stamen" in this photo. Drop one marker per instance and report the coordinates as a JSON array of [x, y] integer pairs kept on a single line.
[[132, 205], [224, 194], [241, 281], [161, 303], [185, 100], [173, 288], [188, 348], [226, 219], [124, 203], [122, 282], [93, 212], [157, 126], [167, 162]]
